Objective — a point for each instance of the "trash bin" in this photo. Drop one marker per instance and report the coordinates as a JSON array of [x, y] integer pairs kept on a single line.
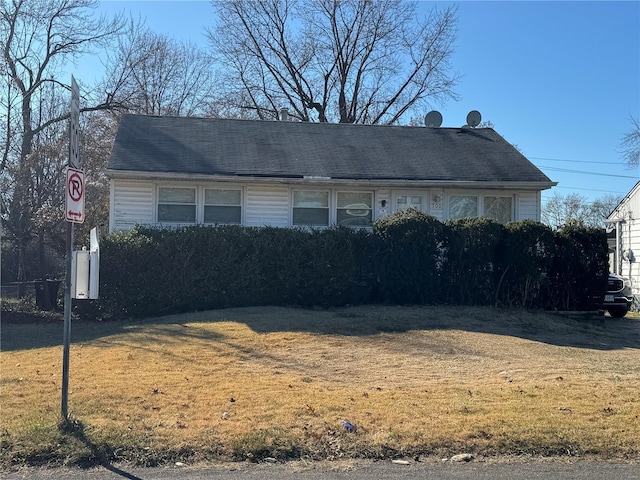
[[42, 295], [47, 293], [52, 287]]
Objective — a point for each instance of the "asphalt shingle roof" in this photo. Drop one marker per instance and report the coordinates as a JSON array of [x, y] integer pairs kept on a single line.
[[209, 146]]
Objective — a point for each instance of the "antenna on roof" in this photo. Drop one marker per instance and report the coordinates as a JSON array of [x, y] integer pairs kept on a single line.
[[433, 119], [474, 118]]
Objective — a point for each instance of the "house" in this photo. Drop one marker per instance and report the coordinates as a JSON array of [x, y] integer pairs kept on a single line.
[[169, 171], [624, 239]]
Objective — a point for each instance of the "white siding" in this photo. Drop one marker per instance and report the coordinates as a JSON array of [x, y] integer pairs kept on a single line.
[[132, 203], [629, 255], [267, 206], [528, 207]]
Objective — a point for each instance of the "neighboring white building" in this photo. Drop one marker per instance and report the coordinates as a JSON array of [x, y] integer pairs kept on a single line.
[[169, 171], [624, 240]]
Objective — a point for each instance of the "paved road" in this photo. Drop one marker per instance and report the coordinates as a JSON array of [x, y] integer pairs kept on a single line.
[[360, 470]]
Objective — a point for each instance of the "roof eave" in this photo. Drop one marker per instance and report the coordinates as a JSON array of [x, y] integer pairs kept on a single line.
[[316, 180], [612, 218]]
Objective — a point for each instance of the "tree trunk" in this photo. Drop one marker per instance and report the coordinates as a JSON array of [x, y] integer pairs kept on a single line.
[[22, 217]]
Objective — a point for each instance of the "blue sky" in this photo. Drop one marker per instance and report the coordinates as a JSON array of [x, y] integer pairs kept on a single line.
[[558, 79]]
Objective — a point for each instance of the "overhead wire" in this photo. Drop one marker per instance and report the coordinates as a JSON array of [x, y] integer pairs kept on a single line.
[[578, 161], [567, 170], [589, 189], [545, 198]]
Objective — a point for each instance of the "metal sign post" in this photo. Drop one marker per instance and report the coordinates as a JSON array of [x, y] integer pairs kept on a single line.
[[76, 192], [74, 125], [66, 337]]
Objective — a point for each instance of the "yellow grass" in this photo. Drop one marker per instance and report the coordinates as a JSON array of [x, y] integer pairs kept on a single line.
[[255, 382]]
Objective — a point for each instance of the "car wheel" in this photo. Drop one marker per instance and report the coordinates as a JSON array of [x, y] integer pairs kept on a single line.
[[618, 312]]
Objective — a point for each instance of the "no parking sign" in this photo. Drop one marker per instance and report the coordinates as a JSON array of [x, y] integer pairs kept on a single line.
[[74, 205]]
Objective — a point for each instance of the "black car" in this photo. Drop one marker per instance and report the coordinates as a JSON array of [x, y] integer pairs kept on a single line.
[[618, 298]]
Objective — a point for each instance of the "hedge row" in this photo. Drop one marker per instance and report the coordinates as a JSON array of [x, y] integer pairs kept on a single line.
[[408, 258]]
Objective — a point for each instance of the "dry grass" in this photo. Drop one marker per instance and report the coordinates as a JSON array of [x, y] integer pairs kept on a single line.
[[256, 382]]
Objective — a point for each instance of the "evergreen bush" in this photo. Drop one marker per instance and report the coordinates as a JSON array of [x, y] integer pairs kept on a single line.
[[407, 258], [523, 262], [473, 248], [413, 255]]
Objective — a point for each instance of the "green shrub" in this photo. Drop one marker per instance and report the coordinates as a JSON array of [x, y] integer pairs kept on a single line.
[[407, 258], [523, 263], [471, 274], [579, 269], [413, 255], [147, 271]]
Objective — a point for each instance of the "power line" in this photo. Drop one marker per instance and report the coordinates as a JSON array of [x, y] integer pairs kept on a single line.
[[567, 170], [588, 189], [546, 200], [577, 161]]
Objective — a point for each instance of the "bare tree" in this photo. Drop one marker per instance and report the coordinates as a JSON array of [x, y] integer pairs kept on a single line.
[[335, 60], [156, 75], [98, 130], [36, 39], [601, 208], [631, 144], [574, 208]]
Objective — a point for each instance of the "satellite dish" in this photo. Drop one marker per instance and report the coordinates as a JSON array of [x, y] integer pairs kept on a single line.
[[474, 118], [433, 119]]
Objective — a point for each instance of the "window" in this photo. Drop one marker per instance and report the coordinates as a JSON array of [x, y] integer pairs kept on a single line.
[[176, 205], [354, 209], [409, 201], [468, 206], [222, 206], [311, 208], [499, 208], [463, 206]]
